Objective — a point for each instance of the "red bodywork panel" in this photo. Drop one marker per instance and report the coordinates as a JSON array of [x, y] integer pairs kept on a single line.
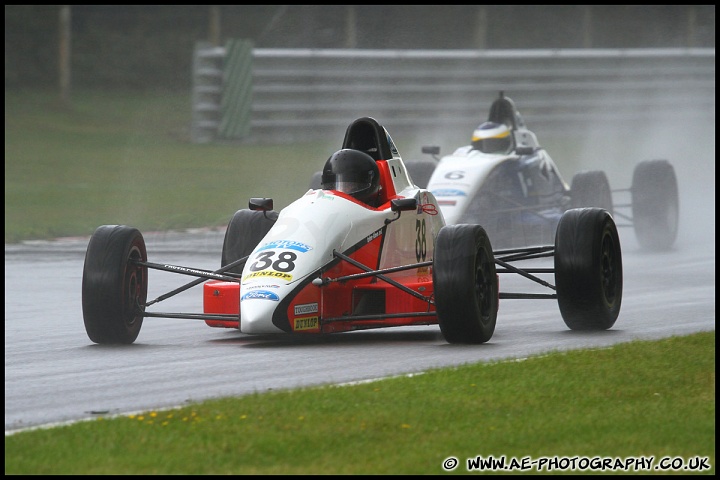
[[326, 309], [376, 298], [329, 308], [222, 297]]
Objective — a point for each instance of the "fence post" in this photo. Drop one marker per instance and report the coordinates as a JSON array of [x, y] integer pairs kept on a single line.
[[236, 104], [208, 65]]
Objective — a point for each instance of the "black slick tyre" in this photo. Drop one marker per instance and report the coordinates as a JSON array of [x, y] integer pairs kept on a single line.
[[465, 283], [316, 181], [588, 269], [655, 204], [591, 189], [245, 230], [114, 288]]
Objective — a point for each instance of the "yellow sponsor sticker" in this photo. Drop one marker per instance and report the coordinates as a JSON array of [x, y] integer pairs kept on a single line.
[[268, 273], [306, 323]]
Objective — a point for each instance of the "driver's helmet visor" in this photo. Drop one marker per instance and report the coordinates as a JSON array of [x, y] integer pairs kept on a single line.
[[493, 144], [349, 184]]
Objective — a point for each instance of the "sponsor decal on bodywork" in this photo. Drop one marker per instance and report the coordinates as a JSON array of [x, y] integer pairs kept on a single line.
[[424, 206], [449, 192], [306, 308], [374, 235], [306, 323], [268, 273], [250, 287], [261, 295], [287, 244]]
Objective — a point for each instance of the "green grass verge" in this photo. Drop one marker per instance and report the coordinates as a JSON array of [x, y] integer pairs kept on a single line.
[[638, 399], [127, 159]]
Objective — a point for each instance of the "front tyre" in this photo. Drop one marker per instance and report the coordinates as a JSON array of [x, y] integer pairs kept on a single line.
[[588, 269], [465, 283], [655, 204], [114, 287], [245, 230]]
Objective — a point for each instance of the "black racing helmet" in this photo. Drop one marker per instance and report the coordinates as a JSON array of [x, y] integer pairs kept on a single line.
[[352, 172], [491, 137]]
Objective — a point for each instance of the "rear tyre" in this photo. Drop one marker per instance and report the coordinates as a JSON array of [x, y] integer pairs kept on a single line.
[[420, 171], [245, 230], [588, 269], [114, 288], [655, 204], [316, 181], [591, 189], [466, 284]]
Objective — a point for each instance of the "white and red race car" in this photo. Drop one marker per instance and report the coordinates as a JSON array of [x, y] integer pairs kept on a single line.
[[369, 249]]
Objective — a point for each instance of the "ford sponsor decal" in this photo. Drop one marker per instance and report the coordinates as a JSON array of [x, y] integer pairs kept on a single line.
[[261, 295], [448, 192]]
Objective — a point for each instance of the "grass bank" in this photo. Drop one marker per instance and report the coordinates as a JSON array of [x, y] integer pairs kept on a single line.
[[127, 159], [639, 399]]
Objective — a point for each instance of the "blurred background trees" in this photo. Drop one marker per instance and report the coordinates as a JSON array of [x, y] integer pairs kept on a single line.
[[150, 47]]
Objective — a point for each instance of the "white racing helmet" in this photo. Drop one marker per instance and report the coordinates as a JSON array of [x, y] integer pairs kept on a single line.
[[491, 137]]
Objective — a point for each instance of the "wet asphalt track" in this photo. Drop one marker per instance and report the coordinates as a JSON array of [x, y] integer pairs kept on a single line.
[[54, 373]]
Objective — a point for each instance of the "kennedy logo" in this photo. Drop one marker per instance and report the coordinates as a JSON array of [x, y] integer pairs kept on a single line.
[[260, 295]]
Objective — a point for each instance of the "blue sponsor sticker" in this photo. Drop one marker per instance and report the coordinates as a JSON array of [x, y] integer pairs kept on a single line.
[[288, 244], [260, 295], [449, 192]]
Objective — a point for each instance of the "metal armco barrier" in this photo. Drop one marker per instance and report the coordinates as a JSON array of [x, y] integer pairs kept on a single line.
[[290, 95]]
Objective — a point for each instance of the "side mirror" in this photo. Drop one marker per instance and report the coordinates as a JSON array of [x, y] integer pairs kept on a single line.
[[431, 149], [261, 204], [403, 204], [398, 205]]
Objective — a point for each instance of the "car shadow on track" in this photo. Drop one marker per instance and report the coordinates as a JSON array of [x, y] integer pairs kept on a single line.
[[356, 337]]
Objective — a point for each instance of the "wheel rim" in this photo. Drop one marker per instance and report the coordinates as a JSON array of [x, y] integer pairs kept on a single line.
[[134, 294], [482, 285], [672, 218], [608, 271]]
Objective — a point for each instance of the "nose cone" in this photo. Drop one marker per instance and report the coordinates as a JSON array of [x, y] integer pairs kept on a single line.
[[256, 311]]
